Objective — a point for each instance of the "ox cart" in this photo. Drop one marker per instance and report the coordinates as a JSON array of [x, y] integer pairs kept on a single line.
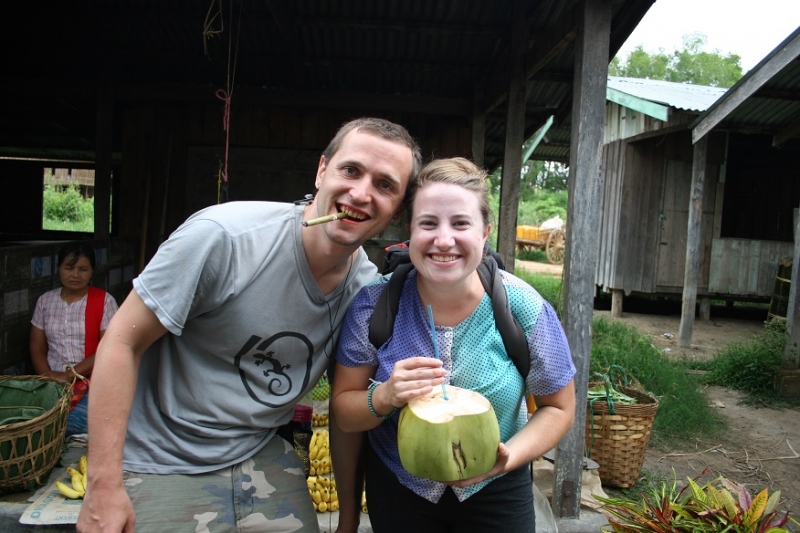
[[552, 240]]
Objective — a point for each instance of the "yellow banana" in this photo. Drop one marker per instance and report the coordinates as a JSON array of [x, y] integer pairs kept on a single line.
[[68, 491], [334, 506], [323, 507], [77, 481], [326, 496], [316, 496], [83, 465]]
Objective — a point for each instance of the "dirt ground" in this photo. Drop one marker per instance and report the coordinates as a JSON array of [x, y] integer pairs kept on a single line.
[[762, 446]]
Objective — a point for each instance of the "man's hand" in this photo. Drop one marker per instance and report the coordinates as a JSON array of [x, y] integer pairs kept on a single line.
[[107, 510]]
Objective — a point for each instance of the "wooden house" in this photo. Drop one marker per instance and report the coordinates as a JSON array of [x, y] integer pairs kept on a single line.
[[749, 196]]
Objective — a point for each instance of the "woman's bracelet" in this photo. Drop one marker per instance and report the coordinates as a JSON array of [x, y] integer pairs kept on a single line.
[[370, 390]]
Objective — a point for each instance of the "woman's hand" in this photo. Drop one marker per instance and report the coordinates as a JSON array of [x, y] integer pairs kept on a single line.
[[412, 378], [60, 376], [500, 466]]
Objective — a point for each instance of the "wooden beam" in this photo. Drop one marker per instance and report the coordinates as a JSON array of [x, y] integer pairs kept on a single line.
[[694, 243], [537, 138], [789, 131], [551, 43], [751, 83], [547, 46], [515, 129], [588, 113], [452, 106], [651, 109], [103, 156], [791, 350], [405, 27]]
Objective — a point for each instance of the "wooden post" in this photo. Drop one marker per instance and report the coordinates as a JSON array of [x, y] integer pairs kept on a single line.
[[705, 308], [694, 238], [515, 132], [102, 161], [588, 113], [791, 351], [617, 295]]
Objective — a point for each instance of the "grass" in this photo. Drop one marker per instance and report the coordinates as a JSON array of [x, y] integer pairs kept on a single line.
[[751, 367], [683, 411], [548, 286], [539, 256]]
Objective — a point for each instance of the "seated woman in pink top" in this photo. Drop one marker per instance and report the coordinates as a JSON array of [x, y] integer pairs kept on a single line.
[[67, 326]]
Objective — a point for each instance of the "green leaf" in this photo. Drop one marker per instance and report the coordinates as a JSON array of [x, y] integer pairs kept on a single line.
[[773, 501]]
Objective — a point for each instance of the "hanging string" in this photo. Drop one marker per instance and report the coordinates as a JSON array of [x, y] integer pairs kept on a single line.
[[226, 117], [226, 95], [208, 25], [222, 187]]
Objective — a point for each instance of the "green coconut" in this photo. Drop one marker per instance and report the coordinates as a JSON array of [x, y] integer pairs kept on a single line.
[[448, 440]]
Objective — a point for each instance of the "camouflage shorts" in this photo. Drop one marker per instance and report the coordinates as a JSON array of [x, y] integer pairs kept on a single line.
[[266, 493]]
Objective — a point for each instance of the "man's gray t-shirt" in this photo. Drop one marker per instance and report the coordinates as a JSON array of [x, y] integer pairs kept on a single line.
[[250, 332]]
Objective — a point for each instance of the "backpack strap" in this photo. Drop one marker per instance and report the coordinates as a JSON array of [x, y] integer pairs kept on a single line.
[[381, 323], [514, 340]]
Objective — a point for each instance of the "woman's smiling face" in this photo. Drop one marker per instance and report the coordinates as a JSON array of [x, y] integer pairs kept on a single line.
[[447, 232]]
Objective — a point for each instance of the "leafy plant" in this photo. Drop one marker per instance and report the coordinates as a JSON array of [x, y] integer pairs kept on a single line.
[[718, 505], [65, 209], [751, 366]]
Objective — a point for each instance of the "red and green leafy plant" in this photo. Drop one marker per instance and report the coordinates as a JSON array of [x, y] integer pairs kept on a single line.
[[718, 505]]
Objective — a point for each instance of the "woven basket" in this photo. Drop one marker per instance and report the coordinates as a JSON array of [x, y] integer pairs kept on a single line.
[[618, 441], [29, 449]]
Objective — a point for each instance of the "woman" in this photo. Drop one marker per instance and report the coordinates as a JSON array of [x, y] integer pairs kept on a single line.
[[67, 326], [449, 226]]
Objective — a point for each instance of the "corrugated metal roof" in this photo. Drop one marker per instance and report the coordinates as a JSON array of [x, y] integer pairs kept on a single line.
[[765, 100], [678, 95]]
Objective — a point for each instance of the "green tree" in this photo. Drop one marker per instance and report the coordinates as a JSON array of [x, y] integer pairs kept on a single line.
[[689, 65]]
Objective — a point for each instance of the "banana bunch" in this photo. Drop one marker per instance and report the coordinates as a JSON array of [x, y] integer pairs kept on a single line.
[[77, 480], [364, 502], [319, 453], [323, 493], [319, 419]]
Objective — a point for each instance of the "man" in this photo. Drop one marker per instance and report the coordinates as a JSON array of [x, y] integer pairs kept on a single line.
[[234, 320]]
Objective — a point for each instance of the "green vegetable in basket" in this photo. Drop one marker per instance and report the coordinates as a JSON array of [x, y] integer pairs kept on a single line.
[[600, 392]]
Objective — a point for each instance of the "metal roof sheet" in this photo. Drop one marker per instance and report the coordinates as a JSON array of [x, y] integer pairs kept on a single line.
[[765, 100], [678, 95]]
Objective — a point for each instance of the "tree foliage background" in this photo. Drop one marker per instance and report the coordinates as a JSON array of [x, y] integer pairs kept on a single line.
[[689, 65]]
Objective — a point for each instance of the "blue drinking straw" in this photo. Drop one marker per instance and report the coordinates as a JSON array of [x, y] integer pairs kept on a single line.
[[436, 345]]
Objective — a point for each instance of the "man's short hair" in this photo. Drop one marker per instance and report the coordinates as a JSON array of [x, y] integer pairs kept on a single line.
[[380, 128]]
